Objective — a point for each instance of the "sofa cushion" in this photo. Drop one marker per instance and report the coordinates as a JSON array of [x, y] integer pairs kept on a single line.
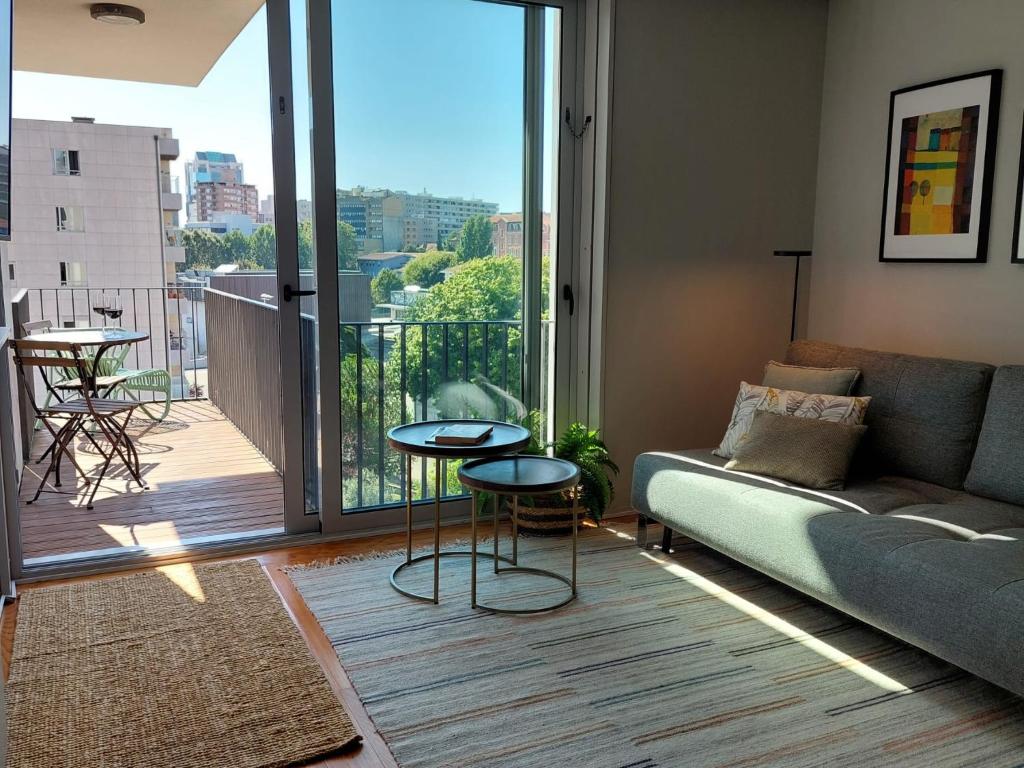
[[925, 413], [753, 398], [820, 381], [996, 470], [810, 452]]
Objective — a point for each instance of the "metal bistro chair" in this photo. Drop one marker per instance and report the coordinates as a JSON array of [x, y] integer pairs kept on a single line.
[[56, 355], [134, 380]]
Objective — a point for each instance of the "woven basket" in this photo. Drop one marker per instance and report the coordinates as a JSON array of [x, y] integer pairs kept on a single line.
[[547, 516]]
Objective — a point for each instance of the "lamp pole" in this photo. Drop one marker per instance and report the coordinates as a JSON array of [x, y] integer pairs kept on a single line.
[[796, 286]]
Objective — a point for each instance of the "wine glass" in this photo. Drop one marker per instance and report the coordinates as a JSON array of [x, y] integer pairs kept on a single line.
[[114, 307], [100, 304]]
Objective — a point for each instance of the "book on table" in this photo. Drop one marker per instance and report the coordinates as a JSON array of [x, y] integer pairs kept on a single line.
[[461, 434]]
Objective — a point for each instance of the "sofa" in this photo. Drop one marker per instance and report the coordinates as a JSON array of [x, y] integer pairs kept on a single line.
[[926, 542]]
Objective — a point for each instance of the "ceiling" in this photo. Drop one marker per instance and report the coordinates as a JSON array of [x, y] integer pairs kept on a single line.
[[179, 43]]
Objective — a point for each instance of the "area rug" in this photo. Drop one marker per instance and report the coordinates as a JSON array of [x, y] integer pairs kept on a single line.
[[691, 660], [186, 667]]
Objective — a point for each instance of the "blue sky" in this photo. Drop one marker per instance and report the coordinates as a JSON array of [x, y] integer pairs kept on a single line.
[[427, 95]]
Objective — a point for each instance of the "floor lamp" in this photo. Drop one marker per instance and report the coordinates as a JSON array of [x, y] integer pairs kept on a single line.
[[796, 285]]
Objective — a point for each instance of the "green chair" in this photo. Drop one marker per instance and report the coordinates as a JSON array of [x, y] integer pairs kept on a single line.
[[138, 380]]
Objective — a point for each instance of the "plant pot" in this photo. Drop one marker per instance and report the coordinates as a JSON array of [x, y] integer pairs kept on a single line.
[[547, 516]]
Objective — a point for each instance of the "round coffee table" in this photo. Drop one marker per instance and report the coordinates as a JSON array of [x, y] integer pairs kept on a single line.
[[413, 440], [520, 476]]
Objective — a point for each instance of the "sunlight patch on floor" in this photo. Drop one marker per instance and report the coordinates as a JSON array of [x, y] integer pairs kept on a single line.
[[834, 655], [156, 536]]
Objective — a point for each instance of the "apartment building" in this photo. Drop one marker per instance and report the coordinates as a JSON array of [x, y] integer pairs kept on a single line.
[[226, 197], [387, 220], [210, 166], [507, 234], [95, 205]]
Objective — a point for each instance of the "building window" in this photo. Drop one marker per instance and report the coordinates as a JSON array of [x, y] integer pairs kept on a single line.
[[65, 162], [70, 218], [72, 273]]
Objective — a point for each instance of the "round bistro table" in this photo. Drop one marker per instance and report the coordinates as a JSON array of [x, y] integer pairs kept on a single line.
[[516, 476], [102, 339], [414, 440]]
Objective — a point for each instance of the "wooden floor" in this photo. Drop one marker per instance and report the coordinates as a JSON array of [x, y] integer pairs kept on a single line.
[[374, 752], [205, 479]]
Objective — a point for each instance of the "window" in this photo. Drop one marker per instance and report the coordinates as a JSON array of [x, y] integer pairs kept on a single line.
[[70, 218], [65, 162], [72, 273]]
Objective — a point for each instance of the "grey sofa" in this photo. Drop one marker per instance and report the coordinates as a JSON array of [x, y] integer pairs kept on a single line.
[[926, 542]]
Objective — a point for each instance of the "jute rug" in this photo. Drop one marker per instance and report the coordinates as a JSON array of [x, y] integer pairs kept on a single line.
[[687, 661], [187, 667]]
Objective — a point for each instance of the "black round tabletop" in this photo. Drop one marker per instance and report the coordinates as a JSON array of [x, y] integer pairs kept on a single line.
[[413, 439], [519, 474]]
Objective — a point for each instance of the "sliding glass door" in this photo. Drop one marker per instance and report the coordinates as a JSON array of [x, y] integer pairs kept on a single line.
[[443, 179]]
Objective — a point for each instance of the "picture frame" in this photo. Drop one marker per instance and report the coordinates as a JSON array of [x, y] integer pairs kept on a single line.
[[939, 168], [1016, 257]]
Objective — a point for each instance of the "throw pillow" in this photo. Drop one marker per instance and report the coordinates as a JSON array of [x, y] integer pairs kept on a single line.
[[822, 381], [752, 398], [809, 452]]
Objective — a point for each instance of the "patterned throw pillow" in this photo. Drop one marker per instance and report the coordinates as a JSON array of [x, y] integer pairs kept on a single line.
[[786, 402]]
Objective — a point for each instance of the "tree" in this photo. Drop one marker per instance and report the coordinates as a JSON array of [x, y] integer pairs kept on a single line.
[[386, 281], [428, 268], [475, 239], [263, 247], [483, 290], [202, 249], [348, 251], [235, 247]]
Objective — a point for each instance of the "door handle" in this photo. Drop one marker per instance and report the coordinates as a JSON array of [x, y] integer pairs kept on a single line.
[[288, 293], [567, 296]]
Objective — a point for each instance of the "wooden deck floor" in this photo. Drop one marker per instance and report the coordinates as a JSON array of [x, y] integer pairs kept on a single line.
[[205, 479]]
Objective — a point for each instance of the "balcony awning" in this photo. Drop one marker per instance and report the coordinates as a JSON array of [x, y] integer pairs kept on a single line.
[[179, 43]]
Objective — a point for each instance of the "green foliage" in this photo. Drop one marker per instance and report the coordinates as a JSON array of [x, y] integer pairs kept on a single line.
[[235, 247], [347, 248], [427, 269], [386, 281], [584, 448], [485, 289], [202, 249], [475, 238], [263, 247]]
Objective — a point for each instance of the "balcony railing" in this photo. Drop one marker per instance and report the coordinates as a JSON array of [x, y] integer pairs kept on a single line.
[[227, 348]]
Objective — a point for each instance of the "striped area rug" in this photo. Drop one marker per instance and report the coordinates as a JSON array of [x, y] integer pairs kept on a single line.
[[689, 661]]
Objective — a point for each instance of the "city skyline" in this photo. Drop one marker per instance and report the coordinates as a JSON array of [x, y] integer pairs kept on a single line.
[[449, 152]]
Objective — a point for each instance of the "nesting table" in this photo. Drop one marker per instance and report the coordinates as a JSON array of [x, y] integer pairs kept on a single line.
[[517, 476], [413, 440]]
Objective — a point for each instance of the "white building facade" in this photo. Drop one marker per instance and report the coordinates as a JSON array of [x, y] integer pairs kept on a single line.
[[96, 212]]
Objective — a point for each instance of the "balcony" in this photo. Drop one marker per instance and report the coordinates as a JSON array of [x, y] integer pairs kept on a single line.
[[214, 465]]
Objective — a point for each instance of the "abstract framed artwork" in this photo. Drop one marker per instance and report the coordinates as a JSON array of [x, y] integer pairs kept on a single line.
[[939, 164], [1016, 256]]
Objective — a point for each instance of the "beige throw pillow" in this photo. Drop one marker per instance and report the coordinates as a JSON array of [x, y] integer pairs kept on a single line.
[[811, 453], [821, 381], [752, 398]]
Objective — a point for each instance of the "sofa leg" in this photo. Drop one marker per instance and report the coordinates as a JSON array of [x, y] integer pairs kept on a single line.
[[641, 531], [666, 540]]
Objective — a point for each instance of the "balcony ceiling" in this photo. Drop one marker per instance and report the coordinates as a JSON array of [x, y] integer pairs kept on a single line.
[[179, 43]]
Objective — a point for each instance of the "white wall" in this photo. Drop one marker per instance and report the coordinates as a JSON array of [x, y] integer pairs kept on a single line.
[[714, 144], [973, 311]]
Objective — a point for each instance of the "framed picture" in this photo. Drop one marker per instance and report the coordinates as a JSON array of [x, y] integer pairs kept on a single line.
[[1016, 256], [939, 164]]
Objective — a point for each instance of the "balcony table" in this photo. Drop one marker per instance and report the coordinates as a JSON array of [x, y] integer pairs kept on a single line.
[[412, 440], [103, 339]]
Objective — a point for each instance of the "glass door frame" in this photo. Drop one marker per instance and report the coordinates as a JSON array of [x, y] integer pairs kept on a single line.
[[333, 519], [282, 107]]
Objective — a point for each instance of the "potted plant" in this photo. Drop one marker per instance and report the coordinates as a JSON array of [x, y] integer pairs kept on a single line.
[[552, 515]]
